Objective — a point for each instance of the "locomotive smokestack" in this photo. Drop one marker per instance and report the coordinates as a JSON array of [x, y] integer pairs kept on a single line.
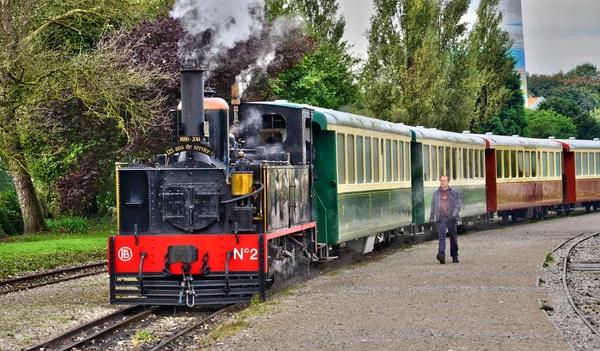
[[192, 101]]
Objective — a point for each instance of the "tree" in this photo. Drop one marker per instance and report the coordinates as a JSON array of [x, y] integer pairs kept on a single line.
[[540, 85], [35, 70], [562, 106], [323, 76], [585, 70], [546, 123], [491, 45], [511, 120], [418, 69]]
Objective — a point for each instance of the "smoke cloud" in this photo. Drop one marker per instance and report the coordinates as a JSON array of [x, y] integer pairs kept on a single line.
[[266, 52], [215, 25]]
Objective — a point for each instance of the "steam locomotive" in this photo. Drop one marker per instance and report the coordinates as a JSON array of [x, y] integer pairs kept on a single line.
[[249, 194], [217, 217]]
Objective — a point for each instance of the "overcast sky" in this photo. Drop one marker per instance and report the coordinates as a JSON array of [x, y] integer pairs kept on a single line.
[[559, 34]]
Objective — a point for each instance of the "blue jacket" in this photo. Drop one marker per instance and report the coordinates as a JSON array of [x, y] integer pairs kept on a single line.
[[454, 205]]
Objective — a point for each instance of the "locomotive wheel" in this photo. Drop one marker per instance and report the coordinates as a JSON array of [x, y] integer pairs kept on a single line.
[[588, 208]]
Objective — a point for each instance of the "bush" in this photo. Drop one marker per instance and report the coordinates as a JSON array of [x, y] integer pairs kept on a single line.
[[11, 219], [68, 224]]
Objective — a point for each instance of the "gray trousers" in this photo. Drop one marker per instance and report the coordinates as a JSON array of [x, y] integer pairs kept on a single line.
[[443, 224]]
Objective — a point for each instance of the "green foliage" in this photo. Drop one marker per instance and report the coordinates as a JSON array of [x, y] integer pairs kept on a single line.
[[585, 70], [419, 71], [562, 106], [68, 224], [511, 119], [11, 219], [5, 180], [547, 308], [490, 46], [322, 79], [545, 123]]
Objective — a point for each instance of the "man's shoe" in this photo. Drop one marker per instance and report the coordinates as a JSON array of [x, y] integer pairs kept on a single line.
[[441, 258], [454, 259]]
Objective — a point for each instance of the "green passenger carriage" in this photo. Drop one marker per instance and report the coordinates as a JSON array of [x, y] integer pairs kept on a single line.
[[363, 191], [459, 156]]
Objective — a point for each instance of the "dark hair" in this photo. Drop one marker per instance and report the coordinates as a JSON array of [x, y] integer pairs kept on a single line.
[[443, 175]]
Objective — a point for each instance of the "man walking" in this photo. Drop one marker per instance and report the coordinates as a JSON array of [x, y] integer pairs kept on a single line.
[[445, 209]]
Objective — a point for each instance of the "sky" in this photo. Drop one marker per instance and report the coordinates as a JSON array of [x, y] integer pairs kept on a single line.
[[558, 34]]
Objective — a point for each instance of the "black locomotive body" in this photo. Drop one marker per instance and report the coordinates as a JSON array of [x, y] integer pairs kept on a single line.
[[222, 212]]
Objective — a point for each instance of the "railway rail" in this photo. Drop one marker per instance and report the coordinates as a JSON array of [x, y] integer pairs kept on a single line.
[[100, 333], [51, 277], [94, 329], [566, 266], [569, 283]]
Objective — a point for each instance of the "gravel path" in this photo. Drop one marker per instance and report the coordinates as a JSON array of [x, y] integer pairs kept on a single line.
[[404, 300], [408, 301]]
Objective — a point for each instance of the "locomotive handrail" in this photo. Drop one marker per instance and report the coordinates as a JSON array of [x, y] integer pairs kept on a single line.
[[244, 196], [324, 209]]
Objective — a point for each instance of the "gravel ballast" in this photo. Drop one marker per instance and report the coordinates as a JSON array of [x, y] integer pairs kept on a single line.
[[408, 301], [404, 300]]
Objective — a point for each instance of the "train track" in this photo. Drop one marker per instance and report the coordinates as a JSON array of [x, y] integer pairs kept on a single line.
[[94, 330], [569, 275], [106, 333], [568, 266], [51, 277]]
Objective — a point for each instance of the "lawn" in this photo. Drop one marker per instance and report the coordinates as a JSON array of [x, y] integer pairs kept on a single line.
[[27, 253]]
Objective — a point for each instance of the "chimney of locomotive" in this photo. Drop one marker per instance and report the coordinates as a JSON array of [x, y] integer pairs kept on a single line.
[[192, 101]]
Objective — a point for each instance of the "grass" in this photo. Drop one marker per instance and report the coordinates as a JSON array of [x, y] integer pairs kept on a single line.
[[547, 308], [548, 259], [26, 253]]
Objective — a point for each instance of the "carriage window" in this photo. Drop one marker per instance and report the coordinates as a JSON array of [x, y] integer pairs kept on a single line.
[[499, 164], [407, 161], [359, 160], [558, 164], [440, 161], [544, 164], [401, 154], [552, 163], [506, 165], [454, 163], [597, 162], [513, 164], [376, 160], [407, 158], [368, 166], [471, 173], [426, 163], [578, 163], [341, 160], [448, 157], [591, 163], [350, 160], [434, 165], [584, 162], [520, 168], [527, 163], [534, 163], [465, 162], [388, 160], [476, 161], [395, 159], [482, 163]]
